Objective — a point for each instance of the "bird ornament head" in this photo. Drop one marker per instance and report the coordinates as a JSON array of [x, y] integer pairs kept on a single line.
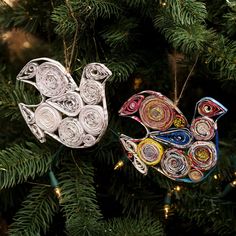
[[75, 116], [181, 151]]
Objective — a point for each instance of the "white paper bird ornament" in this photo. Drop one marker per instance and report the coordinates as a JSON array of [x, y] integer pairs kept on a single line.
[[75, 116]]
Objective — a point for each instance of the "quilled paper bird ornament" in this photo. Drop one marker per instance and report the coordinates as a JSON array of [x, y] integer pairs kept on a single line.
[[181, 151], [75, 116]]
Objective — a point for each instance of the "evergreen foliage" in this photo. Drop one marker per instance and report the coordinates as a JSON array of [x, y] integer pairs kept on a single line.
[[79, 200], [18, 163], [141, 41], [36, 214]]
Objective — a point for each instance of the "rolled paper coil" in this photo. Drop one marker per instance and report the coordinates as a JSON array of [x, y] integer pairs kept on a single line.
[[89, 140], [129, 146], [27, 113], [179, 138], [203, 155], [50, 79], [180, 121], [96, 71], [37, 132], [139, 165], [92, 119], [70, 132], [150, 151], [91, 92], [210, 107], [132, 105], [203, 128], [69, 103], [28, 71], [156, 113], [47, 118], [195, 175], [174, 163]]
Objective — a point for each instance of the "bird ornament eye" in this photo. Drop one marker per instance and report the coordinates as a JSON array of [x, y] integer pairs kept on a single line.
[[210, 107], [75, 116], [182, 152], [132, 105]]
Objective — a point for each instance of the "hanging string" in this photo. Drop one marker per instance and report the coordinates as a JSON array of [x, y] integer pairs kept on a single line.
[[175, 79], [177, 98], [69, 56]]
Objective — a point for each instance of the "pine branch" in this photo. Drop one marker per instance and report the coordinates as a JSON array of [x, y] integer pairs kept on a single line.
[[11, 94], [191, 36], [65, 23], [187, 12], [103, 8], [138, 227], [182, 23], [229, 25], [18, 163], [122, 68], [87, 10], [36, 214], [132, 190], [221, 58], [121, 34], [136, 3], [212, 213], [32, 16], [79, 199]]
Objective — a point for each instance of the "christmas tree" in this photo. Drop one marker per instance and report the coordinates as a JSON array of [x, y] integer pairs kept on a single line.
[[184, 49]]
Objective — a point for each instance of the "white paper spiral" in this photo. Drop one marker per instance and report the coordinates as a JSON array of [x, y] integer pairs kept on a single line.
[[89, 140], [51, 80], [27, 113], [91, 118], [28, 71], [139, 165], [91, 92], [70, 132], [47, 117], [96, 71], [69, 103], [129, 146], [38, 133]]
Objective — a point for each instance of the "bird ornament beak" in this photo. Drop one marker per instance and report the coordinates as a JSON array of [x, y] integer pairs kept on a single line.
[[75, 116], [180, 151]]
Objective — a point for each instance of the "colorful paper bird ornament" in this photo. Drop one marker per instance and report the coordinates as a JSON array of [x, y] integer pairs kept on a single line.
[[181, 151]]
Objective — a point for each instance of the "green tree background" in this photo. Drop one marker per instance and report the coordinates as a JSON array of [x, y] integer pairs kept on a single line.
[[146, 44]]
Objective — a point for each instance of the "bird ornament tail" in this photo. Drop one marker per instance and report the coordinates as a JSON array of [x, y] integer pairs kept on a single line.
[[75, 116], [181, 151]]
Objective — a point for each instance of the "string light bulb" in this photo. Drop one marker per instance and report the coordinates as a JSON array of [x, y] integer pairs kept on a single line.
[[167, 203], [166, 210], [163, 3], [233, 183], [57, 191], [177, 188], [118, 165], [228, 188], [215, 177], [55, 185]]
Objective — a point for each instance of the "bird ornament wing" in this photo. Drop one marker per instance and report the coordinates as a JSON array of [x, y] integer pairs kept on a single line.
[[75, 116], [181, 151]]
